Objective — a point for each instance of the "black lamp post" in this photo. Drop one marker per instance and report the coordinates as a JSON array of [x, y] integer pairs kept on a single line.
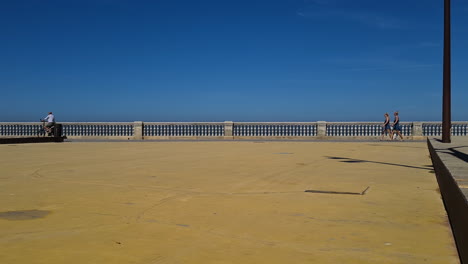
[[446, 104]]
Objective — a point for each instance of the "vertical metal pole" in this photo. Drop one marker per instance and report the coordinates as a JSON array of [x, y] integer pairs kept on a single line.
[[446, 105]]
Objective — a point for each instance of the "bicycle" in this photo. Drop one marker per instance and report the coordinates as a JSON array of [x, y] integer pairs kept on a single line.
[[44, 132]]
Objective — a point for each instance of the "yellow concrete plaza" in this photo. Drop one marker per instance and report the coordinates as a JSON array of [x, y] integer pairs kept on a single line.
[[221, 202]]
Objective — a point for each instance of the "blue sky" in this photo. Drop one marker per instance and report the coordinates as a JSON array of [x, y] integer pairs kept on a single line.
[[276, 60]]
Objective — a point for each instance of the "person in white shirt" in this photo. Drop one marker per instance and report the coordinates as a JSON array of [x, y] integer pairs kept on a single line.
[[50, 119]]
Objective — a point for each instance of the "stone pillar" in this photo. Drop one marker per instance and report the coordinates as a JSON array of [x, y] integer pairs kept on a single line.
[[321, 128], [228, 126], [417, 129], [138, 130]]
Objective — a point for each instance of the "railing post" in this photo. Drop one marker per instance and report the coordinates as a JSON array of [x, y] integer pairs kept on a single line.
[[138, 130], [228, 126], [321, 128], [417, 129]]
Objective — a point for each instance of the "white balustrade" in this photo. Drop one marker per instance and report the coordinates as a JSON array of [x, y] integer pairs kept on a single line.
[[361, 129], [434, 129], [280, 129], [97, 129], [182, 129], [239, 129]]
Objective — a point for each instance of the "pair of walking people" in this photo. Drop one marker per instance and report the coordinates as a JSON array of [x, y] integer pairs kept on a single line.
[[396, 126]]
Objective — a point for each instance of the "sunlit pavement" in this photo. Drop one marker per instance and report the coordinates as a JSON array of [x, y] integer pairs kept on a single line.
[[221, 202]]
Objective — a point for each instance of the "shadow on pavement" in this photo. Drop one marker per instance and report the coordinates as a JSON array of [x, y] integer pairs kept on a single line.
[[351, 160]]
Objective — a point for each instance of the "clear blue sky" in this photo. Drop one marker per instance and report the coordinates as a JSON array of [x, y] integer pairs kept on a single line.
[[253, 60]]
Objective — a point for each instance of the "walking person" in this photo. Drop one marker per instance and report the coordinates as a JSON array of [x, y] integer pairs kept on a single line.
[[386, 127], [396, 126]]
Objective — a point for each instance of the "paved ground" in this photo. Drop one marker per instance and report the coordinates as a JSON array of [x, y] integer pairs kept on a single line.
[[221, 202]]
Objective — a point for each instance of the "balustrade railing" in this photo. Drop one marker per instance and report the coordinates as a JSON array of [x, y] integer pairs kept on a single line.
[[280, 129], [20, 129], [434, 129], [140, 130], [362, 129], [92, 129], [152, 129]]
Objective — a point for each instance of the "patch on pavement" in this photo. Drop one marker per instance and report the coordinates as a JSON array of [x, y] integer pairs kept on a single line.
[[23, 214]]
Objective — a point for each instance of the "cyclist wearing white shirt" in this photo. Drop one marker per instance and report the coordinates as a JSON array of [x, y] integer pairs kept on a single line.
[[50, 119]]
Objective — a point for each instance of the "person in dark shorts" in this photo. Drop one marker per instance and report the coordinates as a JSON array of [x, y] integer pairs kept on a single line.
[[396, 126], [386, 127]]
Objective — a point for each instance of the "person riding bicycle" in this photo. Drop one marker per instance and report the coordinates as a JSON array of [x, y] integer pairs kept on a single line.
[[50, 119]]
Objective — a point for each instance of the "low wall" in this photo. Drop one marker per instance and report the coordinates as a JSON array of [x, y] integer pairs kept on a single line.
[[454, 199], [20, 140]]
